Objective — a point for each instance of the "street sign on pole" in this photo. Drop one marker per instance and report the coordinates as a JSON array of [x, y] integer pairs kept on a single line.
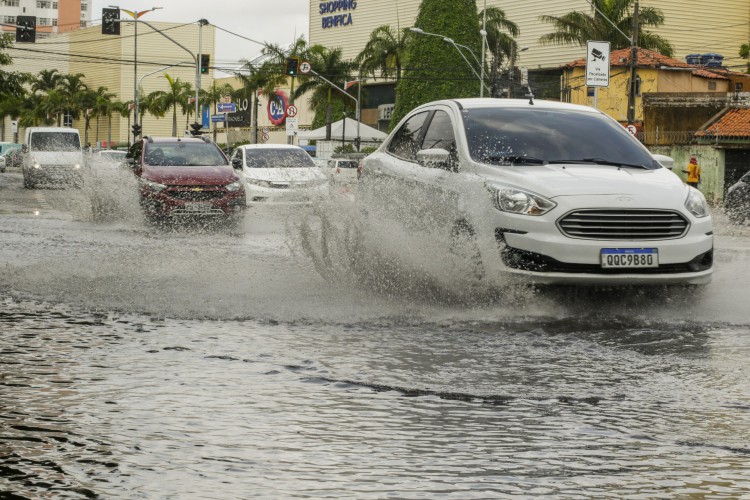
[[305, 67], [291, 126], [597, 64], [291, 111], [226, 107]]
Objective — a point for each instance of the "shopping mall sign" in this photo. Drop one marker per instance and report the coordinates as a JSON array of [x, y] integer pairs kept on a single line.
[[336, 13]]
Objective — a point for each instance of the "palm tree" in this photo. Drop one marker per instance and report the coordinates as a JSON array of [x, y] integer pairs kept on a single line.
[[102, 106], [46, 80], [213, 95], [178, 92], [254, 81], [576, 28], [384, 51], [76, 99], [122, 108], [332, 67], [501, 44]]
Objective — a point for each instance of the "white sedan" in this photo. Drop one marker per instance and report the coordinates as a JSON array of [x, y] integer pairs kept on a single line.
[[279, 173], [544, 192]]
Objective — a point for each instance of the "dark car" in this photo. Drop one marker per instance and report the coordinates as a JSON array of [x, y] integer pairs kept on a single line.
[[185, 176], [737, 200]]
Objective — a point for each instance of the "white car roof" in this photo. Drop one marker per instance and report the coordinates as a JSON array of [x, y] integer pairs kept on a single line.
[[270, 146], [475, 103]]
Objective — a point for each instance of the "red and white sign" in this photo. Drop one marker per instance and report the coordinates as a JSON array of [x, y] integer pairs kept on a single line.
[[632, 129], [305, 67], [291, 111]]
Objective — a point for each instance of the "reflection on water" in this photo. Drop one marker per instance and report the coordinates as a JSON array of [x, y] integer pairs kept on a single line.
[[124, 406]]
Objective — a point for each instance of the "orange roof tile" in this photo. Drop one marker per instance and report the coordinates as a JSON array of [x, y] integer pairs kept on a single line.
[[646, 59], [733, 122], [710, 74]]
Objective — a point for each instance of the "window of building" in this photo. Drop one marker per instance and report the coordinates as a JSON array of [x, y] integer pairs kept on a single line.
[[738, 87], [54, 22], [84, 7], [711, 85], [43, 21], [10, 3], [54, 5], [9, 19], [83, 24], [43, 4]]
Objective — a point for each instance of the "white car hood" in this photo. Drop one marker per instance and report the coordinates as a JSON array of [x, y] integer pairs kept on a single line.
[[555, 181], [304, 174], [57, 157]]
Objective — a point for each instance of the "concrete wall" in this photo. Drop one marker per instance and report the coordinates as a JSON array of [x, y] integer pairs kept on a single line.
[[709, 158]]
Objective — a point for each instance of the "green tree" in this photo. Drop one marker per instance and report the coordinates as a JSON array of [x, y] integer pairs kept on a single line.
[[501, 33], [177, 93], [330, 65], [212, 97], [103, 106], [76, 98], [436, 69], [576, 28], [254, 80], [745, 53], [123, 109], [385, 51], [12, 89]]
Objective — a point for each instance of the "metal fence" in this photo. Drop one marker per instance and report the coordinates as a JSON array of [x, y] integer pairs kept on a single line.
[[668, 138]]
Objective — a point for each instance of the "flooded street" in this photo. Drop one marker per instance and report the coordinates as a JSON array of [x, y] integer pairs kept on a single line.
[[241, 362]]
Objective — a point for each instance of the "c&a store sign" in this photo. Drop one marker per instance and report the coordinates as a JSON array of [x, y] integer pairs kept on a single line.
[[336, 13]]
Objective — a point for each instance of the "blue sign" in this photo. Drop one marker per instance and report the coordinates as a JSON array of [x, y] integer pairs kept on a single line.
[[205, 117], [218, 118], [226, 107]]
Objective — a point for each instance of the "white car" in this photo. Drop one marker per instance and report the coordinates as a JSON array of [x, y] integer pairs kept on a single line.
[[545, 192], [279, 173], [343, 170]]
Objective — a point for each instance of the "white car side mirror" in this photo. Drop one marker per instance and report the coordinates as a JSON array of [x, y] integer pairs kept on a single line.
[[434, 157], [665, 161]]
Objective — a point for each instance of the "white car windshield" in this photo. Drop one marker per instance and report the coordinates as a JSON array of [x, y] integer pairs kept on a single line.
[[277, 158], [523, 136], [55, 141]]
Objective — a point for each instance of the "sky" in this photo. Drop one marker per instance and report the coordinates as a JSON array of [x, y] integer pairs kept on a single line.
[[278, 21]]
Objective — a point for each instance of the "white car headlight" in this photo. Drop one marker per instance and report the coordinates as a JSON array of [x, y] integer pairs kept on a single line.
[[235, 186], [154, 186], [258, 182], [518, 201], [696, 203]]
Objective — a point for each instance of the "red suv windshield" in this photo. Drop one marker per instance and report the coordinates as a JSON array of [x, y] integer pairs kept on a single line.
[[183, 154]]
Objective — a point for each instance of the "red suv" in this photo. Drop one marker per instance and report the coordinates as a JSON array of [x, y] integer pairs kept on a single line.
[[185, 176]]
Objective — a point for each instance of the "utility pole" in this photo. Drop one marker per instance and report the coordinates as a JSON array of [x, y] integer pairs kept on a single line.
[[633, 67]]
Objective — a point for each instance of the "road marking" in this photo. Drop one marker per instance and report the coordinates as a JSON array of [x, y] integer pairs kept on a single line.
[[41, 200]]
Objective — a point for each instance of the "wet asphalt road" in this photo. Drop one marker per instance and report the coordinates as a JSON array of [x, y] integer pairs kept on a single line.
[[220, 362]]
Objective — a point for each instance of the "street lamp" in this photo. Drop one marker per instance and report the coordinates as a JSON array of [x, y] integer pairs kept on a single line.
[[135, 15], [456, 46]]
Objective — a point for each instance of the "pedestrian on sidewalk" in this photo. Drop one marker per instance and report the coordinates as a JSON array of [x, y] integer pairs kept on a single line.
[[694, 172]]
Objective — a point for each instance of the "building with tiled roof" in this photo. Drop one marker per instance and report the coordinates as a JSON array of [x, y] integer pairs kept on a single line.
[[656, 73], [731, 124]]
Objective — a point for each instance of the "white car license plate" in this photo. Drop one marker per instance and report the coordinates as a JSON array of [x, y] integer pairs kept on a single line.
[[198, 207], [630, 257]]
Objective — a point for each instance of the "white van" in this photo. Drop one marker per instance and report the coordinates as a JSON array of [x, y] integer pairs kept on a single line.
[[52, 155]]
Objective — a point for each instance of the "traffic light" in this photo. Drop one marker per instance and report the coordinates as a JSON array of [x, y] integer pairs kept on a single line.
[[26, 29], [205, 63], [110, 24], [136, 130], [196, 128], [292, 65]]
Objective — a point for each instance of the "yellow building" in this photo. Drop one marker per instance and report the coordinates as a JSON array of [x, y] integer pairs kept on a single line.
[[108, 61], [655, 73]]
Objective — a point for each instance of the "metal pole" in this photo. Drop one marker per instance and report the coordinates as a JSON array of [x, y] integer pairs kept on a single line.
[[484, 42], [359, 97], [135, 76], [633, 66]]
